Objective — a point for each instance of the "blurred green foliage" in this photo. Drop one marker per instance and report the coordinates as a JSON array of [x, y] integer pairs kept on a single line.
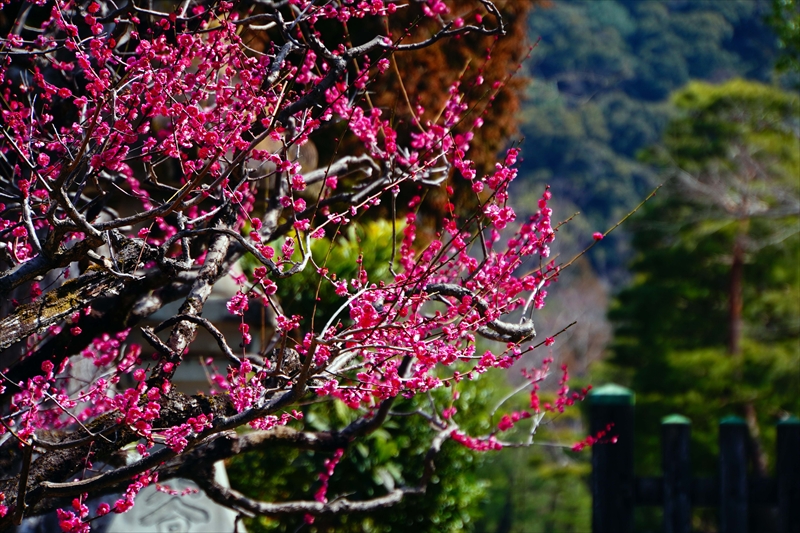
[[785, 20], [714, 120], [390, 456], [308, 291], [540, 489]]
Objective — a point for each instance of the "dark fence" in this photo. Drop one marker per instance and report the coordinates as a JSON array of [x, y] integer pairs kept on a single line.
[[616, 491]]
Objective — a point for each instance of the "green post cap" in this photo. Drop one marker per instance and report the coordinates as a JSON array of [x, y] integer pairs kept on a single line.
[[675, 419], [731, 420], [790, 420], [612, 394]]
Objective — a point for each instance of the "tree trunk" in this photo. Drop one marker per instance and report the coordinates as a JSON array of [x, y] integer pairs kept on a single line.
[[760, 459], [735, 299], [735, 306]]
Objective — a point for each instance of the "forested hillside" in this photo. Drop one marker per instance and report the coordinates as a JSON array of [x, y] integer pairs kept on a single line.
[[602, 73]]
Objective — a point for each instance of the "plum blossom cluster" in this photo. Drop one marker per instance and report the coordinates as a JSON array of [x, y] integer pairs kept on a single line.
[[325, 475], [422, 315], [77, 520], [144, 154], [29, 403], [166, 489], [474, 443], [509, 420], [329, 466], [175, 437], [598, 438], [563, 398]]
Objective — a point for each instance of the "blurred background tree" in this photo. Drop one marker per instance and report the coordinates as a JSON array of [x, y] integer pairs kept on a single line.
[[710, 325]]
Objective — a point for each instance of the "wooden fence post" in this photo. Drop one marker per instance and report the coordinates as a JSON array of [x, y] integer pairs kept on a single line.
[[733, 508], [788, 473], [612, 464], [676, 466]]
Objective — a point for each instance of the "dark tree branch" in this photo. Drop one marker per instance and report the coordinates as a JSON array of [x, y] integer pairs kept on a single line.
[[200, 321], [56, 305], [184, 331], [495, 329], [236, 500]]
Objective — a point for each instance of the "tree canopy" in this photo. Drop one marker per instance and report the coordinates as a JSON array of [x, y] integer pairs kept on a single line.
[[711, 323]]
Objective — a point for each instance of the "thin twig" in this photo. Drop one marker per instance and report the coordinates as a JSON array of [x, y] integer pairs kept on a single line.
[[612, 228]]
